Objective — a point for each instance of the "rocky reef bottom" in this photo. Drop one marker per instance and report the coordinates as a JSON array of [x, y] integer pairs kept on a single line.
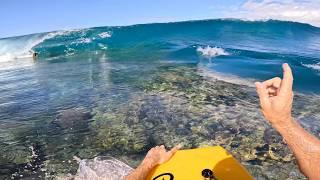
[[176, 105]]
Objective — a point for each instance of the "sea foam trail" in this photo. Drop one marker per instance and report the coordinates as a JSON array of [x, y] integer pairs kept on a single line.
[[212, 51]]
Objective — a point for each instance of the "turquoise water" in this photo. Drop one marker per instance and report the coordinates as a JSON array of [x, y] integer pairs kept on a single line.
[[258, 46], [120, 90]]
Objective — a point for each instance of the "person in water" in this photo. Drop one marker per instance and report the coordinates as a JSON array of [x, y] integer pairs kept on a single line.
[[276, 98], [34, 55]]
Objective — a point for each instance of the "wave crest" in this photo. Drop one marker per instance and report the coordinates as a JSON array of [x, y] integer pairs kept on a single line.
[[212, 51]]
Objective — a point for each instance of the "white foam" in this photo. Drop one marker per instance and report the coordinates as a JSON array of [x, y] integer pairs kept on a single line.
[[313, 66], [212, 51], [100, 168], [104, 35]]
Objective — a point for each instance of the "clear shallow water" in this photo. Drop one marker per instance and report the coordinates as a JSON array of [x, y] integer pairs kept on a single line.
[[118, 91]]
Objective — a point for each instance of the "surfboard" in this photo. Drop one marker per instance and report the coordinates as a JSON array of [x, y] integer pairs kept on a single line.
[[202, 163]]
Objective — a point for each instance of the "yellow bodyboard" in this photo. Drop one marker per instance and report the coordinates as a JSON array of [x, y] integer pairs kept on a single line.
[[202, 163]]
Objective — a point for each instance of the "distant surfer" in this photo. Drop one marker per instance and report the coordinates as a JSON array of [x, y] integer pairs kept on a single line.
[[34, 55], [276, 98]]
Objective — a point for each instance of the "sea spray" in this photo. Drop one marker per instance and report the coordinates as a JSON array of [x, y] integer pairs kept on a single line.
[[212, 51]]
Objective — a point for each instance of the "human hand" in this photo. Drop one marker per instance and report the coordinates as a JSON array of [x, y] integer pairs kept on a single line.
[[276, 98], [159, 154]]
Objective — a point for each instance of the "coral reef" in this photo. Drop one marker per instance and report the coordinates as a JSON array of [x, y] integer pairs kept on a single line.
[[175, 105]]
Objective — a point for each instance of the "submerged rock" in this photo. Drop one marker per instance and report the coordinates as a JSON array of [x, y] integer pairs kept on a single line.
[[72, 118]]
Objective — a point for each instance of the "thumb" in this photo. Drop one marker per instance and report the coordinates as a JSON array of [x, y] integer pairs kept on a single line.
[[263, 95]]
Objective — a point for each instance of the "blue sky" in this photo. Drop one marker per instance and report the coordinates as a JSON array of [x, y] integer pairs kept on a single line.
[[20, 17]]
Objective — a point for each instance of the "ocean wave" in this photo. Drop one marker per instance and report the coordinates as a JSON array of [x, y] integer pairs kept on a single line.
[[85, 40], [212, 51], [313, 66], [256, 40], [21, 47]]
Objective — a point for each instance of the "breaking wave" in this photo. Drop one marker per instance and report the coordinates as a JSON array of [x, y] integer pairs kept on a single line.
[[21, 47], [24, 46]]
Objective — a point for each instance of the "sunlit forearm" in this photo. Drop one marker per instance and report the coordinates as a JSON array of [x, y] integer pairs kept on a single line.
[[305, 147]]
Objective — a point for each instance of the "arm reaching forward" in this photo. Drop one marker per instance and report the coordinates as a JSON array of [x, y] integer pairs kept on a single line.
[[154, 157], [276, 99]]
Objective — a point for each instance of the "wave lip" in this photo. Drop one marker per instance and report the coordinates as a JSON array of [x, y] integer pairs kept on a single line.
[[212, 51]]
